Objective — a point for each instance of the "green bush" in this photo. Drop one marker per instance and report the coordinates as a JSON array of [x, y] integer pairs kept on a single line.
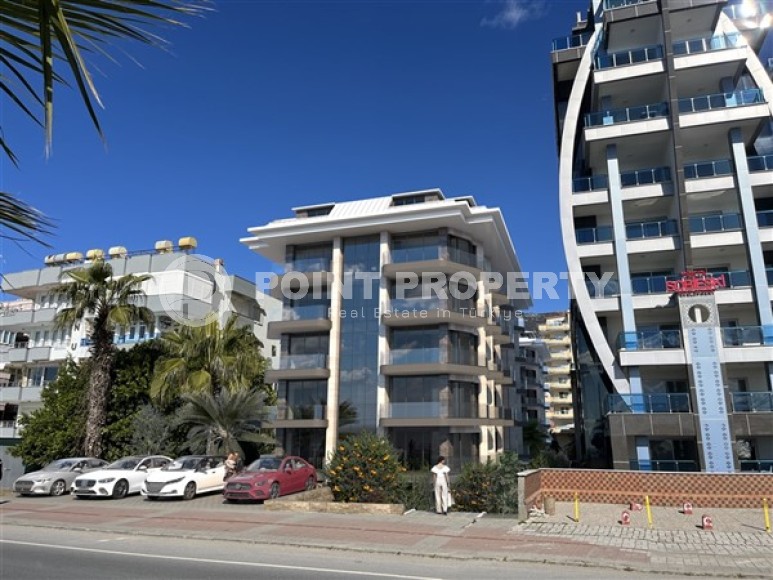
[[491, 487], [418, 492], [365, 468]]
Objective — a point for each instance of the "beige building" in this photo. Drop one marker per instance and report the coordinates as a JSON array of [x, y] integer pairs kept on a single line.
[[554, 331]]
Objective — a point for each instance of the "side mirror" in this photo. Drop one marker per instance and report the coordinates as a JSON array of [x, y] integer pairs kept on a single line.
[[77, 469], [143, 467]]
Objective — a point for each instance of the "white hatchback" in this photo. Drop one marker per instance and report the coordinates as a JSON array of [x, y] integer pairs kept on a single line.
[[185, 477], [120, 478]]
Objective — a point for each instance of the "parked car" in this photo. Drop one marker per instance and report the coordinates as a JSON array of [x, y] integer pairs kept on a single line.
[[120, 478], [56, 477], [185, 477], [269, 477]]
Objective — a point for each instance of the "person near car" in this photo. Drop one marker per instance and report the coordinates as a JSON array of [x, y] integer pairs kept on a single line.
[[239, 463], [442, 484], [230, 466]]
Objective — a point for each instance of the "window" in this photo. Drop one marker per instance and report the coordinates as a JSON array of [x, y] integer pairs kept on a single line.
[[462, 251], [409, 199], [415, 247]]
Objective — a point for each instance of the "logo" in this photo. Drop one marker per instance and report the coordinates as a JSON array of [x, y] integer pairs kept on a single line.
[[696, 282]]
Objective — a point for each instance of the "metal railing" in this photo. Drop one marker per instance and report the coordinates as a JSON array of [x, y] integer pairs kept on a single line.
[[302, 361], [649, 403], [664, 465], [594, 235], [745, 336], [721, 101], [645, 176], [760, 163], [760, 402], [707, 44], [703, 169], [653, 229], [627, 115], [572, 41], [761, 465], [650, 284], [626, 57], [720, 222], [650, 340], [590, 183]]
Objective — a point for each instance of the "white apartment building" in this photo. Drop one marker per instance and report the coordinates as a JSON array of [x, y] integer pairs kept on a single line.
[[664, 115], [554, 331]]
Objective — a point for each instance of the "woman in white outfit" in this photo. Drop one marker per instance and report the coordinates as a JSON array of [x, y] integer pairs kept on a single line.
[[442, 486]]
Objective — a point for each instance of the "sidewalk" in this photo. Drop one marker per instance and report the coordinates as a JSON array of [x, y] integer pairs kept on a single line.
[[595, 541]]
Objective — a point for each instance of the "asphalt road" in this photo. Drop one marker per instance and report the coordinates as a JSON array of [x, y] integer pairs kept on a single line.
[[41, 553]]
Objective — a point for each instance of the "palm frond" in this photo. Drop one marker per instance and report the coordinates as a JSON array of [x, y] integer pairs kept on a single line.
[[17, 216]]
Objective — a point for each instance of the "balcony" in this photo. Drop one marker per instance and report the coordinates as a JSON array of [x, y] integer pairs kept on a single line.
[[443, 414], [649, 403], [746, 336], [628, 115], [309, 265], [594, 235], [757, 465], [721, 101], [404, 356], [650, 284], [418, 311], [300, 416], [301, 318], [590, 183], [760, 163], [651, 229], [664, 465], [721, 222], [645, 176], [429, 361], [608, 289], [760, 402], [300, 366], [567, 42], [708, 44], [628, 57], [708, 169], [650, 340]]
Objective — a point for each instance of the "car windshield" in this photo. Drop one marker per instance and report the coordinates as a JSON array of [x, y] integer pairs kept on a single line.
[[265, 464], [184, 464], [59, 465], [125, 463]]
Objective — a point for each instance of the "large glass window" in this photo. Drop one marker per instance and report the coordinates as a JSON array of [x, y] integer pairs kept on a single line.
[[314, 258], [416, 247], [306, 308], [463, 348], [303, 399], [415, 345], [462, 251]]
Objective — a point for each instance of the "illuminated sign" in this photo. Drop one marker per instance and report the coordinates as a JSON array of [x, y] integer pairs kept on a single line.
[[696, 282]]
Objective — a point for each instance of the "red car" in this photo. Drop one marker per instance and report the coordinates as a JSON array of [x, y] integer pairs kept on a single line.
[[269, 477]]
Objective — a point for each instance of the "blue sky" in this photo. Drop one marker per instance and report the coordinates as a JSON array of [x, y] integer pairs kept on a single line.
[[262, 106]]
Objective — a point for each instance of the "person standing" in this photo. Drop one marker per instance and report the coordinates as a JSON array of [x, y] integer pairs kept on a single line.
[[230, 466], [442, 484]]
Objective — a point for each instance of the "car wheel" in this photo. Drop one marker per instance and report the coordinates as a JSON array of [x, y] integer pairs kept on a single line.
[[190, 491], [274, 493], [311, 483], [121, 489], [58, 487]]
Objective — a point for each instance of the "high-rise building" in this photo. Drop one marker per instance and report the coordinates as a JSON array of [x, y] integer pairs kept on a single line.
[[184, 288], [664, 112], [400, 317]]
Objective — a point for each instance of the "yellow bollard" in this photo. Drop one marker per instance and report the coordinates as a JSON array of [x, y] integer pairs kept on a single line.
[[576, 507], [649, 511], [766, 513]]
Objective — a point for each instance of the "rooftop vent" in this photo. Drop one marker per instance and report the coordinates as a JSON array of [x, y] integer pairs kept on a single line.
[[73, 257], [187, 243], [117, 252], [164, 246], [95, 254]]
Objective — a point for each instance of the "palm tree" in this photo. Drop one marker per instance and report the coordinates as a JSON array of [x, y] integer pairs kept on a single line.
[[113, 302], [534, 438], [220, 421], [209, 359], [38, 34]]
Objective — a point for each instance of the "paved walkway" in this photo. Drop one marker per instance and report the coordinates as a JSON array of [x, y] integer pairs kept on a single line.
[[594, 541]]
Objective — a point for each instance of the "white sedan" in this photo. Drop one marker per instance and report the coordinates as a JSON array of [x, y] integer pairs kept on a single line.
[[120, 478], [185, 477]]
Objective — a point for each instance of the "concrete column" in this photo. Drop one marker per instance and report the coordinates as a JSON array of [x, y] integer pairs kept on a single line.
[[334, 349], [382, 398]]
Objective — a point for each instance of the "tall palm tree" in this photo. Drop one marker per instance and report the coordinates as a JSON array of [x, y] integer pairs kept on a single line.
[[35, 35], [207, 358], [219, 422], [113, 302]]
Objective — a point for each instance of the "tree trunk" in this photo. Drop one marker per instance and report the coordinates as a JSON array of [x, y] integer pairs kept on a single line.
[[99, 385]]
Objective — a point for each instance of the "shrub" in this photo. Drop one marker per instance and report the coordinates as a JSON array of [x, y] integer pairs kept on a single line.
[[365, 468], [418, 492], [491, 487]]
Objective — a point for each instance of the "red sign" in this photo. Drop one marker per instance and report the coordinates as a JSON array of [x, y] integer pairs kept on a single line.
[[696, 282]]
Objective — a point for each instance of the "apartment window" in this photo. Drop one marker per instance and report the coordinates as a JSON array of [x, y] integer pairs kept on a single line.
[[415, 247], [312, 258], [462, 251], [464, 348], [408, 199]]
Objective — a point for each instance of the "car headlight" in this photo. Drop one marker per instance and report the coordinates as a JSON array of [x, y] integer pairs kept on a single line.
[[107, 480], [42, 480], [178, 480], [259, 483]]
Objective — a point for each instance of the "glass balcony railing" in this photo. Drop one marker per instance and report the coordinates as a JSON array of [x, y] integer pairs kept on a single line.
[[418, 253], [597, 289], [301, 412], [650, 284], [437, 410], [761, 465], [649, 403], [573, 41], [703, 169], [419, 304], [594, 235], [761, 402], [746, 336], [303, 361], [760, 163], [615, 116], [460, 256], [650, 340], [626, 57], [408, 356], [309, 265], [743, 9], [645, 176], [765, 218], [612, 4], [654, 229], [306, 312], [664, 465], [720, 222], [707, 44], [721, 101], [590, 183]]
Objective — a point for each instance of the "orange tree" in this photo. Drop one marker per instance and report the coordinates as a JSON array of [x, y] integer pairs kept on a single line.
[[365, 468]]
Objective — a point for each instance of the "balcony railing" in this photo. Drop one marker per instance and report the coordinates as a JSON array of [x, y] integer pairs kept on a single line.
[[650, 284], [598, 289], [645, 176], [653, 229], [635, 56], [720, 222], [707, 44], [664, 465], [649, 403], [765, 218], [760, 163], [704, 169], [721, 101], [438, 410], [460, 256], [301, 412], [303, 361], [650, 340], [573, 41], [407, 356], [761, 402], [761, 465], [590, 183], [306, 312], [419, 304], [612, 117], [309, 265], [746, 336], [594, 235], [611, 4]]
